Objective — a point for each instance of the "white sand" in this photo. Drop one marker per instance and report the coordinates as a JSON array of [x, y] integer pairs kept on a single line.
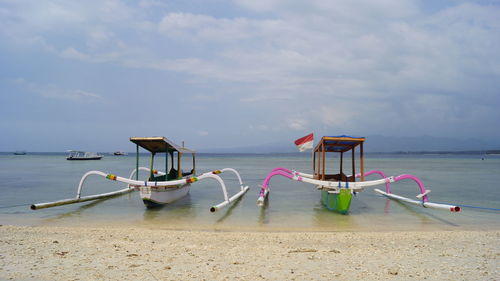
[[123, 253]]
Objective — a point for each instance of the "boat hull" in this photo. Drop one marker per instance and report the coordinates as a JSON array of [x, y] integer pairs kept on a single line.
[[153, 196], [337, 202], [84, 158]]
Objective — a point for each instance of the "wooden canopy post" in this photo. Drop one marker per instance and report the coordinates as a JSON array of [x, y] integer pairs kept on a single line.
[[353, 164], [171, 160], [166, 162], [362, 159], [194, 165], [314, 162], [323, 161], [341, 165], [333, 161], [137, 162], [319, 164], [151, 166], [179, 171]]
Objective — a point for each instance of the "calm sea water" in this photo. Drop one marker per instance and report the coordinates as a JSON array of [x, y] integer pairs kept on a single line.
[[462, 180]]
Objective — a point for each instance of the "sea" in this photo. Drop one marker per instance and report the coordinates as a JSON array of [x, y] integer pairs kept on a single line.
[[470, 181]]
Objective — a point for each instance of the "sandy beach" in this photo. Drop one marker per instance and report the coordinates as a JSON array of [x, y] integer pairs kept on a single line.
[[125, 253]]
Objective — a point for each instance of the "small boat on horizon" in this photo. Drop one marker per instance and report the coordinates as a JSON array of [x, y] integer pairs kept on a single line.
[[120, 153], [20, 152], [82, 155]]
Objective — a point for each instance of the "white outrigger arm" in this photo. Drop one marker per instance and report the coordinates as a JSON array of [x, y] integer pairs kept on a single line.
[[335, 186], [135, 184]]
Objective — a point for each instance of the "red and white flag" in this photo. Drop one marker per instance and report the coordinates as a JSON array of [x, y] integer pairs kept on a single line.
[[305, 143]]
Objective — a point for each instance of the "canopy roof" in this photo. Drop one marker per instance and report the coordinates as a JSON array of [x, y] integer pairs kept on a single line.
[[159, 144], [341, 143]]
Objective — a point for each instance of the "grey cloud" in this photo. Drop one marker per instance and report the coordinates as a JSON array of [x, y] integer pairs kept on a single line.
[[363, 66]]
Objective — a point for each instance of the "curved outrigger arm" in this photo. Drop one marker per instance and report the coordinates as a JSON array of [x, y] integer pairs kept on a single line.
[[424, 202], [227, 199], [334, 186], [132, 184], [79, 198]]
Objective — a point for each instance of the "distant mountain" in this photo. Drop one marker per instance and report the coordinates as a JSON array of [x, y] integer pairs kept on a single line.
[[425, 143], [377, 143]]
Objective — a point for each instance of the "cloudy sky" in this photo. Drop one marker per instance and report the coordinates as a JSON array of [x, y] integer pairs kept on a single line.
[[90, 74]]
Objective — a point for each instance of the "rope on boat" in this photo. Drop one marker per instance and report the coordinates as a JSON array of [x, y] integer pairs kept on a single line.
[[12, 206], [481, 208]]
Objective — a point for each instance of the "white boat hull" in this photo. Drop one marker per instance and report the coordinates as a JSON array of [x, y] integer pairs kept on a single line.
[[155, 196]]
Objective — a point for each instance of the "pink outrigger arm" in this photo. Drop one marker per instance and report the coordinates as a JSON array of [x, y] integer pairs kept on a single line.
[[357, 186], [423, 192], [264, 191], [277, 171]]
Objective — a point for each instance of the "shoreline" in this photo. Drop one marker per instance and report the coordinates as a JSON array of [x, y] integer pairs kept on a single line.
[[264, 228], [132, 253]]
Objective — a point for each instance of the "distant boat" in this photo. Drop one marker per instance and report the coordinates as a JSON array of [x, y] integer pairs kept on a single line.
[[120, 153], [20, 152], [82, 155]]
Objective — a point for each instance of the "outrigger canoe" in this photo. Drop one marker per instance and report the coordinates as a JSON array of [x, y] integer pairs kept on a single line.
[[160, 187], [337, 189]]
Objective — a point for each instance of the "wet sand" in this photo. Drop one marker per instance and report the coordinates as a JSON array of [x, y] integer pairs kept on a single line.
[[126, 253]]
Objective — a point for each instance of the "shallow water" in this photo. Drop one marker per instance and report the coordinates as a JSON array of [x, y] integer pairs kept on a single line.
[[462, 180]]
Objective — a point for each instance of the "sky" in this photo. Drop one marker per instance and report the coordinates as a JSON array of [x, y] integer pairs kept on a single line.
[[90, 74]]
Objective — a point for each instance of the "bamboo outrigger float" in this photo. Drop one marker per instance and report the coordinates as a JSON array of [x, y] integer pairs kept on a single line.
[[337, 189], [160, 187]]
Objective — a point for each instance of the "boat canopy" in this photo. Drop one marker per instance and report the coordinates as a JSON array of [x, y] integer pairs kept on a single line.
[[337, 144], [341, 143], [159, 144]]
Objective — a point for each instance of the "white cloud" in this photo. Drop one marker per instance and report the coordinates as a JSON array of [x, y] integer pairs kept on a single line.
[[297, 124], [336, 62], [326, 56], [98, 36], [114, 11], [52, 91], [146, 4], [208, 29], [260, 128], [364, 10], [71, 53]]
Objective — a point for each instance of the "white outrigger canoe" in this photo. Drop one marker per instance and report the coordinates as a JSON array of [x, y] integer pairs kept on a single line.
[[160, 187], [337, 189]]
